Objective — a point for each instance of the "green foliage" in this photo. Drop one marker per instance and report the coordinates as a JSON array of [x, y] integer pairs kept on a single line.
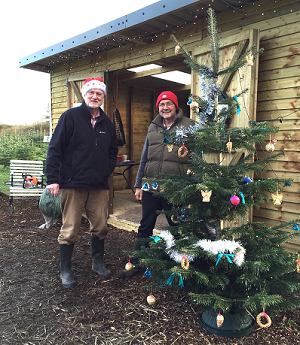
[[22, 143], [4, 177]]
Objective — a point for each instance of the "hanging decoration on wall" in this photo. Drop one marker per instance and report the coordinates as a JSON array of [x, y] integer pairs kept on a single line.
[[249, 59], [277, 198], [270, 147]]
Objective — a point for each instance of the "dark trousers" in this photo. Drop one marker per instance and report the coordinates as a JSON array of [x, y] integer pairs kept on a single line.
[[150, 205]]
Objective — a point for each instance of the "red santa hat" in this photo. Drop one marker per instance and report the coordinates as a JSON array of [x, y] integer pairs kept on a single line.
[[93, 83], [167, 95]]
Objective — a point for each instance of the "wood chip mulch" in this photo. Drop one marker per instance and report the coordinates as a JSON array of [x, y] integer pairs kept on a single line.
[[36, 310]]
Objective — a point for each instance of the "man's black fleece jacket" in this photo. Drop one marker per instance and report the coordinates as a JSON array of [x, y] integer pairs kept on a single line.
[[80, 155]]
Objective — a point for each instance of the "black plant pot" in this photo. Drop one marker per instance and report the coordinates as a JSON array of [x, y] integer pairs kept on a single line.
[[237, 323]]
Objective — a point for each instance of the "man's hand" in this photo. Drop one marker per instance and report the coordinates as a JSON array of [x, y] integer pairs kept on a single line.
[[53, 188], [138, 193]]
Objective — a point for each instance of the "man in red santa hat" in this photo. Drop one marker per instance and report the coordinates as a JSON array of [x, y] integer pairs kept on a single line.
[[82, 154]]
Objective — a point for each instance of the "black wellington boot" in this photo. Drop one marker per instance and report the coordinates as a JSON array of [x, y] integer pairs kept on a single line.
[[66, 251], [97, 249]]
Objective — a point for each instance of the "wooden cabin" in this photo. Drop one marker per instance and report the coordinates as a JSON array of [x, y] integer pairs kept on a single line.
[[143, 37]]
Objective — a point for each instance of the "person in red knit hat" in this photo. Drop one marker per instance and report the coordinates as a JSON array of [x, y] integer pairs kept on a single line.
[[157, 158]]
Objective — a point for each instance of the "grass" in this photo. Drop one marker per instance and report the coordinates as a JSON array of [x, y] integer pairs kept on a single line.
[[4, 177]]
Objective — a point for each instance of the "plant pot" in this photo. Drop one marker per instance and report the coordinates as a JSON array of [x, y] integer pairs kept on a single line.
[[237, 323]]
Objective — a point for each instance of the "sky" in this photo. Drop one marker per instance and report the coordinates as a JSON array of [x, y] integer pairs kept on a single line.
[[30, 26]]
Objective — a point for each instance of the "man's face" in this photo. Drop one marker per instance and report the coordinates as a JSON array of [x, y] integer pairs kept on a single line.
[[94, 98], [167, 109]]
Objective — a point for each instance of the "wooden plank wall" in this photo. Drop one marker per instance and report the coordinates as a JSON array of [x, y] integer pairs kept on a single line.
[[278, 100], [278, 84]]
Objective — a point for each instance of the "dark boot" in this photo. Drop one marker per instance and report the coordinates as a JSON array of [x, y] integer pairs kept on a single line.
[[66, 251], [97, 249], [135, 269]]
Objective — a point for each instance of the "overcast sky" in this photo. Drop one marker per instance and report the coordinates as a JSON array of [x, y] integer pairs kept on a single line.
[[29, 26]]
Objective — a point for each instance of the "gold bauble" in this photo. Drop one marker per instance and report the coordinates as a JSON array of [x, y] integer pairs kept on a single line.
[[151, 299], [194, 106], [270, 147], [177, 49], [220, 320], [128, 266]]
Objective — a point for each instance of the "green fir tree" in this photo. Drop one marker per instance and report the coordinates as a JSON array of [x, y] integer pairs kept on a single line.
[[219, 266]]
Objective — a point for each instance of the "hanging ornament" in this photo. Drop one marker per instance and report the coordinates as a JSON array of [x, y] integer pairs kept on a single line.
[[260, 316], [170, 147], [185, 263], [277, 199], [247, 180], [129, 265], [238, 108], [194, 106], [295, 227], [154, 186], [206, 195], [287, 184], [220, 320], [177, 49], [229, 145], [151, 299], [175, 219], [270, 147], [235, 200], [146, 187], [249, 59], [298, 264], [190, 172], [147, 273], [182, 151]]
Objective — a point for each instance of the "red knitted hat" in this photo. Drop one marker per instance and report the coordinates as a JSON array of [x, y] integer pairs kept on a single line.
[[167, 95]]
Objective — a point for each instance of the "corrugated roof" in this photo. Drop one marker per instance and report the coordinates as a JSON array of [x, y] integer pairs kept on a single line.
[[144, 24]]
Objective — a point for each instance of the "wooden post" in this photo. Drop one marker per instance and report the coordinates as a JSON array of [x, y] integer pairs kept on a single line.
[[108, 108]]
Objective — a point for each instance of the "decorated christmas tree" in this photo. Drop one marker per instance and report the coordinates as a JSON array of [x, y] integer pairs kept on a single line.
[[216, 254]]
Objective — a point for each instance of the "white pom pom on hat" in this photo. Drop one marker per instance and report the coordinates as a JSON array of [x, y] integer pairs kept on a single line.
[[93, 83]]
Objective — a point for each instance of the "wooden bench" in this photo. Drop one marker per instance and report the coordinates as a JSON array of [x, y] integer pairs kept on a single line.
[[26, 179]]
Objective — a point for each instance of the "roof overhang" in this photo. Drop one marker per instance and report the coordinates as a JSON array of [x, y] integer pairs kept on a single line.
[[101, 38], [141, 27]]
